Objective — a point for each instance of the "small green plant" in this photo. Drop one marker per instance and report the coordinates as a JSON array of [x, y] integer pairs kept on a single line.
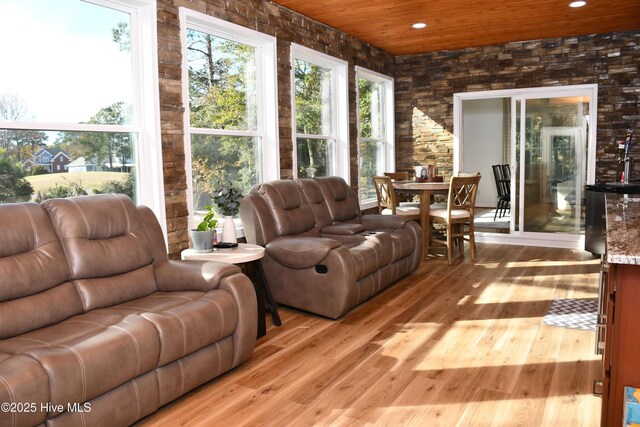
[[227, 197], [208, 222]]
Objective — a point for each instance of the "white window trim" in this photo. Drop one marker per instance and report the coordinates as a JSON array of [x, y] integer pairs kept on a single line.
[[340, 114], [149, 175], [267, 93], [389, 122]]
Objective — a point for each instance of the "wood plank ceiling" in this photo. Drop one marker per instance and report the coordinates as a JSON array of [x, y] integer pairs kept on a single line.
[[456, 24]]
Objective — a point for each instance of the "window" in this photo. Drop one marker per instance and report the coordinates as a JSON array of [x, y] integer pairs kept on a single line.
[[320, 112], [230, 83], [376, 151], [86, 85]]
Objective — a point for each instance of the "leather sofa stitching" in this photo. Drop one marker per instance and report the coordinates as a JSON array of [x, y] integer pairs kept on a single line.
[[217, 305], [82, 370], [126, 214], [12, 399], [219, 358], [33, 226], [33, 340], [84, 217], [135, 343], [184, 331], [137, 393], [181, 376]]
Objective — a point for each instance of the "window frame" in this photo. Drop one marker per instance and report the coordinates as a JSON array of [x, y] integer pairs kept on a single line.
[[388, 163], [266, 94], [339, 108], [146, 106]]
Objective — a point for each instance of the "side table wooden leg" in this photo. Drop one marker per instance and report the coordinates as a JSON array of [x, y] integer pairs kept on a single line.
[[270, 303]]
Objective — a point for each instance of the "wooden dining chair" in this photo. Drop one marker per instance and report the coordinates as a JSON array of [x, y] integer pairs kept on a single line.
[[398, 176], [388, 203], [502, 176], [458, 216]]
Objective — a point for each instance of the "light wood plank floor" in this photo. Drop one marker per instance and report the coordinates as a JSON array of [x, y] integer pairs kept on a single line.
[[447, 346]]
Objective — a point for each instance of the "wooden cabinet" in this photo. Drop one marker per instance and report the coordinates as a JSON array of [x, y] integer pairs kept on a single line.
[[621, 358]]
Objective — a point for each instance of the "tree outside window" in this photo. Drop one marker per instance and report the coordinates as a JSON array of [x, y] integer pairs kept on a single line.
[[223, 113]]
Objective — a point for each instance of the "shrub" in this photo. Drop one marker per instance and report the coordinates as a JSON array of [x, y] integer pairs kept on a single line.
[[39, 170], [69, 189], [13, 186], [127, 186]]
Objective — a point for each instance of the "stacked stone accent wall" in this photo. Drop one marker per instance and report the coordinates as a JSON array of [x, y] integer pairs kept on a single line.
[[425, 85], [260, 15]]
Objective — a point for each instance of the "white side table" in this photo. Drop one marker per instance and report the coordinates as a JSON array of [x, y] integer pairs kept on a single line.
[[244, 253]]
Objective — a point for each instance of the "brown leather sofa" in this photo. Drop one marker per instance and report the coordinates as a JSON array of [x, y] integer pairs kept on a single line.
[[322, 255], [97, 326]]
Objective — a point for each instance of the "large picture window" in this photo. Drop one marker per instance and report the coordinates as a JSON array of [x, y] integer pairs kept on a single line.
[[232, 109], [321, 114], [79, 108], [375, 131]]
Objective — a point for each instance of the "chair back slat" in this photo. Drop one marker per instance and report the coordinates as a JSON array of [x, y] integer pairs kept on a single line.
[[462, 192], [398, 176], [384, 193]]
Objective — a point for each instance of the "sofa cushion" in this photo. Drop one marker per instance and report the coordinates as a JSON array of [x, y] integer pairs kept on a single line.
[[372, 253], [32, 266], [90, 354], [103, 237], [341, 200], [290, 209], [312, 192], [185, 321]]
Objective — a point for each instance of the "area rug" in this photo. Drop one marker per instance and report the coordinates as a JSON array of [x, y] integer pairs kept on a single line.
[[573, 314], [484, 219]]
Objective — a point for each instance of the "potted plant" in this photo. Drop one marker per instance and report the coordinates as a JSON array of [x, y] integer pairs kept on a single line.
[[227, 197], [203, 236]]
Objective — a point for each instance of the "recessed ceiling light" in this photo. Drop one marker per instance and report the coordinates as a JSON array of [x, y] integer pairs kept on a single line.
[[419, 25], [578, 3]]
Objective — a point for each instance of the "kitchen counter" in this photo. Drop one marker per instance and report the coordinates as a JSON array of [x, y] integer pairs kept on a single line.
[[623, 229]]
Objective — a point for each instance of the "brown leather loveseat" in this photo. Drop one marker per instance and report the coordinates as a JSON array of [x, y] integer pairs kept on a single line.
[[97, 326], [322, 255]]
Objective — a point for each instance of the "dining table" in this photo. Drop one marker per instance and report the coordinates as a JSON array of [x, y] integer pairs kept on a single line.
[[424, 190]]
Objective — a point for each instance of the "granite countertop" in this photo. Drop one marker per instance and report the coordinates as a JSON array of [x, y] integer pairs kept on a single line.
[[623, 229]]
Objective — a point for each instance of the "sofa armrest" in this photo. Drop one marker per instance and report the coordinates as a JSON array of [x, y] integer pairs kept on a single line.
[[301, 252], [192, 275], [343, 229], [383, 221]]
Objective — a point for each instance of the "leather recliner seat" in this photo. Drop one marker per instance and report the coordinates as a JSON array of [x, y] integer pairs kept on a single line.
[[97, 326], [322, 254]]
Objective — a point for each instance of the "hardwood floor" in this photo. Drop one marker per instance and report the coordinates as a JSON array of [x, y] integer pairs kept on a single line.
[[447, 346]]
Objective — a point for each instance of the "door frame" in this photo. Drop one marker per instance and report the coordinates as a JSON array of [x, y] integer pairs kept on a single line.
[[519, 237]]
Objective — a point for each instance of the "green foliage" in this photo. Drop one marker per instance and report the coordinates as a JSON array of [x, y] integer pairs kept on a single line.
[[222, 95], [368, 148], [70, 189], [312, 84], [39, 170], [122, 36], [126, 186], [227, 197], [13, 186], [104, 147], [208, 222]]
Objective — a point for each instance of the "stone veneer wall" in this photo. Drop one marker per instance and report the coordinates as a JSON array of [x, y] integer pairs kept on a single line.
[[425, 85], [261, 15]]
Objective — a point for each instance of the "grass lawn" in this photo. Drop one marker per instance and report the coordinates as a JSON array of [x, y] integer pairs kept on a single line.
[[87, 180]]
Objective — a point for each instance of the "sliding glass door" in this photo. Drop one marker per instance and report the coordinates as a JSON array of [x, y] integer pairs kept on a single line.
[[546, 136], [552, 155]]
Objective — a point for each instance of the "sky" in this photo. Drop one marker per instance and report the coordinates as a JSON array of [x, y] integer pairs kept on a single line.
[[54, 53]]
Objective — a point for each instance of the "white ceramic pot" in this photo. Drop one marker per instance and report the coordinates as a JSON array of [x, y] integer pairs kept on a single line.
[[229, 230]]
